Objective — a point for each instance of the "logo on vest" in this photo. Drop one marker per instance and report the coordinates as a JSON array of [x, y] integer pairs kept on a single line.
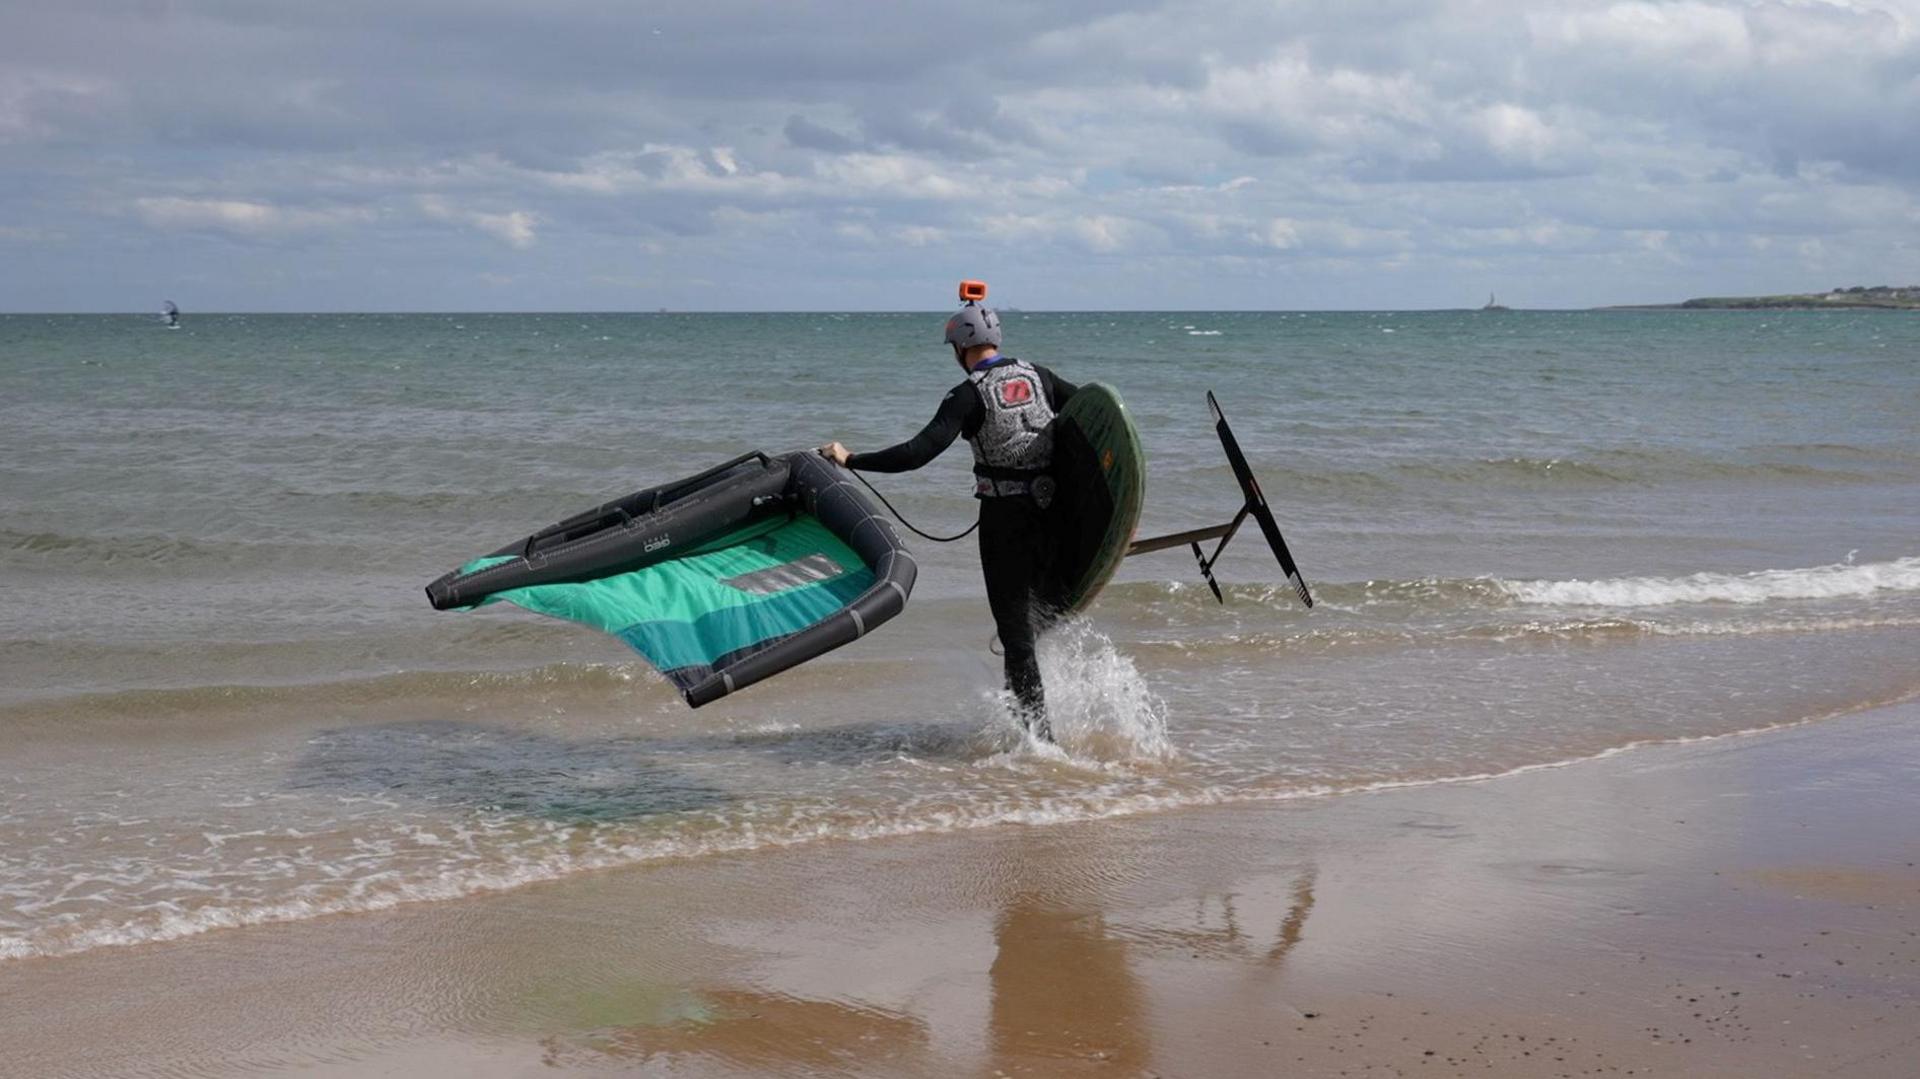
[[1016, 392]]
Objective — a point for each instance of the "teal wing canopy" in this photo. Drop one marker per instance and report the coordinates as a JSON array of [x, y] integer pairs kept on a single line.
[[765, 565], [716, 605]]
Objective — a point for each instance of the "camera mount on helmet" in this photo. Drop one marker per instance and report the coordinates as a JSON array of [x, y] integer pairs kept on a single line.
[[973, 324]]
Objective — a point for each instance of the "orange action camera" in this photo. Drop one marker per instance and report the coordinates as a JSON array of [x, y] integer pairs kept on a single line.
[[970, 291]]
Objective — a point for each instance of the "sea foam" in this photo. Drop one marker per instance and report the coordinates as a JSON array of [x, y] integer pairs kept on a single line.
[[1099, 705], [1837, 581]]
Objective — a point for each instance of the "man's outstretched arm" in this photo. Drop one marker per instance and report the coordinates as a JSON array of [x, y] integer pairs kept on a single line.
[[933, 439]]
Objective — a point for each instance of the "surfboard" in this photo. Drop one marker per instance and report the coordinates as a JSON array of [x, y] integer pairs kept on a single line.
[[1101, 475]]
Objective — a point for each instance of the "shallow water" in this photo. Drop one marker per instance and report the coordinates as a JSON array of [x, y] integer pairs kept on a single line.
[[1535, 537]]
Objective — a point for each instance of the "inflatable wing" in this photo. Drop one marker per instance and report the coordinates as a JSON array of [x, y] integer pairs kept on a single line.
[[719, 580]]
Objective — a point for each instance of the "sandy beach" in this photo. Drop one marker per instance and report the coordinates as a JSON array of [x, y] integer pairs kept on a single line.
[[1743, 906]]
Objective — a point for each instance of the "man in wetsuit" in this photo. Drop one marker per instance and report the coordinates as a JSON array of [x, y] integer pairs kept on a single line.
[[1004, 409]]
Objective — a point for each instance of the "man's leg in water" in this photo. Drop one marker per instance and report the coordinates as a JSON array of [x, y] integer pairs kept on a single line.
[[1011, 542]]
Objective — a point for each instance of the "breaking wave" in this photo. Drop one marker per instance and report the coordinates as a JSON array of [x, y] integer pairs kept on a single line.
[[1843, 580], [1838, 581]]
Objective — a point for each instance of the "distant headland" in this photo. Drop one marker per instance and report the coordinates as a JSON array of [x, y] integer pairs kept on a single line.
[[1903, 297]]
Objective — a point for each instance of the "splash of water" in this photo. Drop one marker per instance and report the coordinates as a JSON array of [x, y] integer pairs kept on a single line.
[[1097, 701]]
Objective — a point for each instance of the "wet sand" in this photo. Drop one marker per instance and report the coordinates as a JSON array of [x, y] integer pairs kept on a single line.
[[1748, 906]]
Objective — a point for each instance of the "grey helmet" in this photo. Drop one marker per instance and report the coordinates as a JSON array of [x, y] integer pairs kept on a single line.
[[973, 325]]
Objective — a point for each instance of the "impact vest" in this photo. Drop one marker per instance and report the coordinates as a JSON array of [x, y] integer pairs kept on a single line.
[[1014, 446]]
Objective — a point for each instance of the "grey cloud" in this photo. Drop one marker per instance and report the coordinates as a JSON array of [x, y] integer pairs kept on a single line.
[[757, 143], [932, 134], [808, 135], [1265, 139]]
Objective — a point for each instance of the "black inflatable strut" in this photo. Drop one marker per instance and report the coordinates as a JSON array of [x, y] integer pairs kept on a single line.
[[1255, 506]]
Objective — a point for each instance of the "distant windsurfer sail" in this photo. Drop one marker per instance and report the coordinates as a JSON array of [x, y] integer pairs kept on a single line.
[[170, 314], [719, 580]]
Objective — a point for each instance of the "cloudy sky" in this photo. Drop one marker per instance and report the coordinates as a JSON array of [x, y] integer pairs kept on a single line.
[[855, 155]]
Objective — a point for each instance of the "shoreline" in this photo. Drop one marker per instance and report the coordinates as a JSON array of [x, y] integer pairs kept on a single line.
[[1744, 905], [483, 884]]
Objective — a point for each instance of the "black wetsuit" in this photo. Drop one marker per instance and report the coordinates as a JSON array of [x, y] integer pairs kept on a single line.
[[1016, 542]]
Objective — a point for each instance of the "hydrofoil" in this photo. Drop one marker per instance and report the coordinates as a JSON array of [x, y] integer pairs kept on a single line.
[[1254, 506]]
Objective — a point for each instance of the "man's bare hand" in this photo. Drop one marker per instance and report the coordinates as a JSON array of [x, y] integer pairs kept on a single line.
[[835, 452]]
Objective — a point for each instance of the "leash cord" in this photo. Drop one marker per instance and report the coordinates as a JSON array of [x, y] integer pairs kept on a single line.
[[903, 520]]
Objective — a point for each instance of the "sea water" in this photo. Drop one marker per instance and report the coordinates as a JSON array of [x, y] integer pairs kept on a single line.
[[1535, 537]]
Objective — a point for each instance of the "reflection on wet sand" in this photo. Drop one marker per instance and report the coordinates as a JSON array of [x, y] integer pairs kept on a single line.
[[1063, 996], [1071, 976], [1296, 918], [753, 1030], [1066, 993], [1220, 935]]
